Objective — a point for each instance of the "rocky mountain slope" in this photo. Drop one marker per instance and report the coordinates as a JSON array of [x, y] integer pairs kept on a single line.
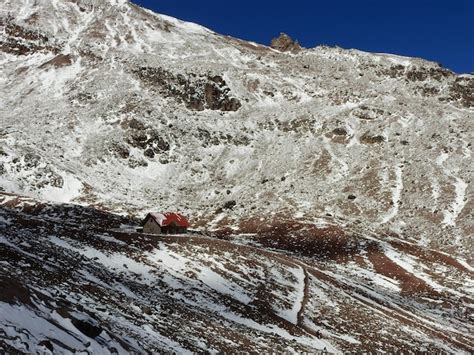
[[73, 281], [107, 103], [353, 167]]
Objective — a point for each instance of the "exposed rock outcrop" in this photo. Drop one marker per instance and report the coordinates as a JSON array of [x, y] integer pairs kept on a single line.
[[285, 43], [197, 92]]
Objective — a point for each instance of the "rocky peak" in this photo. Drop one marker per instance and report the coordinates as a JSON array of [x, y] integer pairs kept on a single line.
[[285, 43]]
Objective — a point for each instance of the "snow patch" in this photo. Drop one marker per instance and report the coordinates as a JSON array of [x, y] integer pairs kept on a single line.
[[291, 314], [458, 204], [71, 189], [396, 194]]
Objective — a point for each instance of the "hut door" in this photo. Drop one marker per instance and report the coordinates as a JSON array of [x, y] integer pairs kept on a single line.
[[173, 228]]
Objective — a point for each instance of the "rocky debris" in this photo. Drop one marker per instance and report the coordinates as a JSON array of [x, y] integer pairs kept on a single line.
[[91, 5], [285, 43], [150, 140], [138, 139], [157, 142], [31, 160], [84, 98], [136, 162], [339, 135], [33, 167], [197, 92], [149, 153], [229, 205], [368, 138], [136, 124], [14, 30], [462, 91], [422, 74], [302, 124], [339, 131], [417, 73], [428, 91], [395, 71], [365, 112], [59, 61], [20, 40], [121, 150], [210, 138], [215, 95]]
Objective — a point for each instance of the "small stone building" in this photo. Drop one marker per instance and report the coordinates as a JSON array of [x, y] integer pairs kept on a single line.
[[165, 223]]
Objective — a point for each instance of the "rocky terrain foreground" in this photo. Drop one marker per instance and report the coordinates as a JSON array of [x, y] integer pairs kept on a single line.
[[72, 281], [332, 189]]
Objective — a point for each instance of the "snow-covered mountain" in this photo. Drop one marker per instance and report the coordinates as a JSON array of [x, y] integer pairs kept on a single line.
[[108, 105]]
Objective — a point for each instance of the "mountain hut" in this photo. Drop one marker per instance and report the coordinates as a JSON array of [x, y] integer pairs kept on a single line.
[[165, 223]]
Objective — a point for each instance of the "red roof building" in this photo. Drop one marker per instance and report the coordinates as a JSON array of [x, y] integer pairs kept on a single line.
[[165, 223]]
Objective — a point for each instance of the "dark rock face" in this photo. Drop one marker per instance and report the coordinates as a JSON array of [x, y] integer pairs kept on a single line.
[[149, 153], [285, 43], [157, 142], [12, 291], [87, 328], [47, 344], [229, 205], [196, 92]]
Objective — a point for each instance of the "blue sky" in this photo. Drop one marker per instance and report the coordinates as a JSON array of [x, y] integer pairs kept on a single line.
[[442, 31]]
